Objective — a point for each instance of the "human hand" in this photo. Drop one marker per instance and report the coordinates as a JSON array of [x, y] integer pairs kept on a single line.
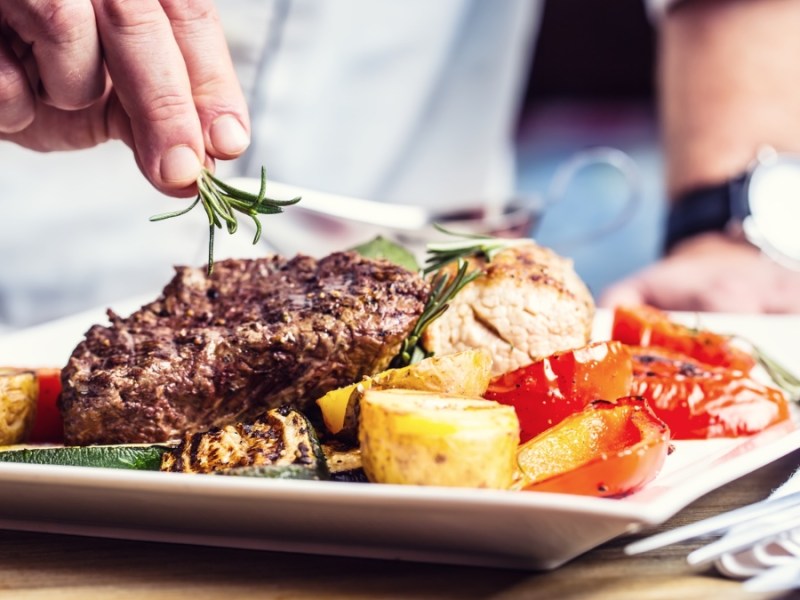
[[711, 272], [154, 73]]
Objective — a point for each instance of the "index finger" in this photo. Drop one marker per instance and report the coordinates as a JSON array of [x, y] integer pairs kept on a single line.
[[151, 81], [64, 41], [217, 93]]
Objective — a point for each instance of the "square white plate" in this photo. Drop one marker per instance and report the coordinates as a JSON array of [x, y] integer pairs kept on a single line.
[[480, 527]]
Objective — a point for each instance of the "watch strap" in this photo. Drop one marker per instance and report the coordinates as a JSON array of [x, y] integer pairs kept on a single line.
[[710, 208]]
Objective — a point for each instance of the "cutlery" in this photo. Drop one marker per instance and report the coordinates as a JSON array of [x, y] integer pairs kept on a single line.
[[395, 216], [716, 524], [759, 542]]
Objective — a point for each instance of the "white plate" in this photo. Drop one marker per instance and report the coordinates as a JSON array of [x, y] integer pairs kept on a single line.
[[465, 526]]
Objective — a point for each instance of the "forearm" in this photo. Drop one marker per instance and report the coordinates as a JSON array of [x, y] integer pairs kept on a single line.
[[729, 82]]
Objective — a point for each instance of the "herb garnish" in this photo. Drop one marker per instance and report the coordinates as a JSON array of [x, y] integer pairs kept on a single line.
[[471, 245], [443, 289], [221, 203], [780, 375], [444, 286]]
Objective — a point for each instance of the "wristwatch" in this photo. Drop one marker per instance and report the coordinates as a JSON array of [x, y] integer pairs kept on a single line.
[[762, 205]]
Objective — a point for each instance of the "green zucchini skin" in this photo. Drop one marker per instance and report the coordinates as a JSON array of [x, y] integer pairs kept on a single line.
[[135, 457], [278, 472]]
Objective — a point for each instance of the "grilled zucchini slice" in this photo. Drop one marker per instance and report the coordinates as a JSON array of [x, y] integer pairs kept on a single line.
[[281, 438]]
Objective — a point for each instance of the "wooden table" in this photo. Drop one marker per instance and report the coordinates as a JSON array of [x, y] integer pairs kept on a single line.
[[36, 565]]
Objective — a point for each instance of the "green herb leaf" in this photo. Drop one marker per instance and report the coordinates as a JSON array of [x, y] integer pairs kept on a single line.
[[780, 375], [221, 202], [443, 289], [381, 248], [470, 245]]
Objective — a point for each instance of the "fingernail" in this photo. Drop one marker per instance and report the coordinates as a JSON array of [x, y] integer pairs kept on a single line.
[[228, 135], [180, 165]]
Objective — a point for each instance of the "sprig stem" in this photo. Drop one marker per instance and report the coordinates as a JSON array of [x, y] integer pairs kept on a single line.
[[780, 375], [222, 201], [470, 245], [444, 286]]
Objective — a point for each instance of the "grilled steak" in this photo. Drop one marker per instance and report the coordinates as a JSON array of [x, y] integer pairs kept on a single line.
[[254, 335]]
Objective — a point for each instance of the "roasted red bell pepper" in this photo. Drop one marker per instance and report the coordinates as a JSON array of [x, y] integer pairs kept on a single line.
[[607, 449], [547, 391], [48, 427], [701, 401], [648, 326]]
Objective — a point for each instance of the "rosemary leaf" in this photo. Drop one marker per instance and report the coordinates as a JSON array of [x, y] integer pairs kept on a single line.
[[471, 245], [222, 201], [783, 378], [444, 288]]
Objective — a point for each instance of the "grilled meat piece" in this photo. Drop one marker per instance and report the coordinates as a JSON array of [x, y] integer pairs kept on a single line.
[[255, 335], [280, 438], [529, 304]]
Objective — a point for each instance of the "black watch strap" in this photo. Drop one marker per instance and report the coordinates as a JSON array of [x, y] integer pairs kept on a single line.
[[705, 209]]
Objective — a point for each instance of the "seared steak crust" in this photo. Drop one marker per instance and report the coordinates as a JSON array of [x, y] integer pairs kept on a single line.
[[254, 335]]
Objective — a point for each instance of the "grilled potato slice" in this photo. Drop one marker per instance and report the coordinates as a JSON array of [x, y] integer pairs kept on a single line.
[[19, 391], [425, 438], [462, 374]]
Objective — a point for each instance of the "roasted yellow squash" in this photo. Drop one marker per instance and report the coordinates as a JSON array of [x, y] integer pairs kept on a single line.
[[463, 373], [425, 438]]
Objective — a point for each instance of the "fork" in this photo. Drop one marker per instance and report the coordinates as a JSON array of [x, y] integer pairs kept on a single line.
[[773, 523]]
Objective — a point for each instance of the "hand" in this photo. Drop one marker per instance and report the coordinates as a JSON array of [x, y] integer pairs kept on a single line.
[[154, 73], [711, 272]]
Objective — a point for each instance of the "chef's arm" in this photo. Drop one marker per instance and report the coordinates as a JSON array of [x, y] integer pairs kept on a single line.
[[728, 82]]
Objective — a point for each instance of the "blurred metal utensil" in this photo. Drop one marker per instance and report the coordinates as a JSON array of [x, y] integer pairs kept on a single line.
[[759, 542], [381, 214], [716, 524]]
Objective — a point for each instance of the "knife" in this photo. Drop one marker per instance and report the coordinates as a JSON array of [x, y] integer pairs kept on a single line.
[[383, 214]]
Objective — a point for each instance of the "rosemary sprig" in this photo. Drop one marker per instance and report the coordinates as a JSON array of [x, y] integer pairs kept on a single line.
[[221, 203], [780, 375], [444, 287], [471, 245], [777, 372]]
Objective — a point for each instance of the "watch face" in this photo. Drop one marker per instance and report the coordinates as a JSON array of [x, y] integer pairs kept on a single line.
[[774, 202]]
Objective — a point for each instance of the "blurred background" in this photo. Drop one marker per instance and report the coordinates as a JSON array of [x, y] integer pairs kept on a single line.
[[76, 233], [593, 86]]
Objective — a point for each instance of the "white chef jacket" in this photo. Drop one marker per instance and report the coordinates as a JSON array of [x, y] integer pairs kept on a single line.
[[400, 101]]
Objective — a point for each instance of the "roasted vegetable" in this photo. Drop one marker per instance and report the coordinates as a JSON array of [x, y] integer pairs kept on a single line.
[[282, 437], [464, 374], [648, 326], [607, 449], [699, 400], [426, 438], [48, 427], [547, 391], [19, 390], [274, 472], [139, 457], [344, 461]]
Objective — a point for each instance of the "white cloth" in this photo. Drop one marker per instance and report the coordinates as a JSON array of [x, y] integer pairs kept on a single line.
[[403, 101], [411, 101]]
